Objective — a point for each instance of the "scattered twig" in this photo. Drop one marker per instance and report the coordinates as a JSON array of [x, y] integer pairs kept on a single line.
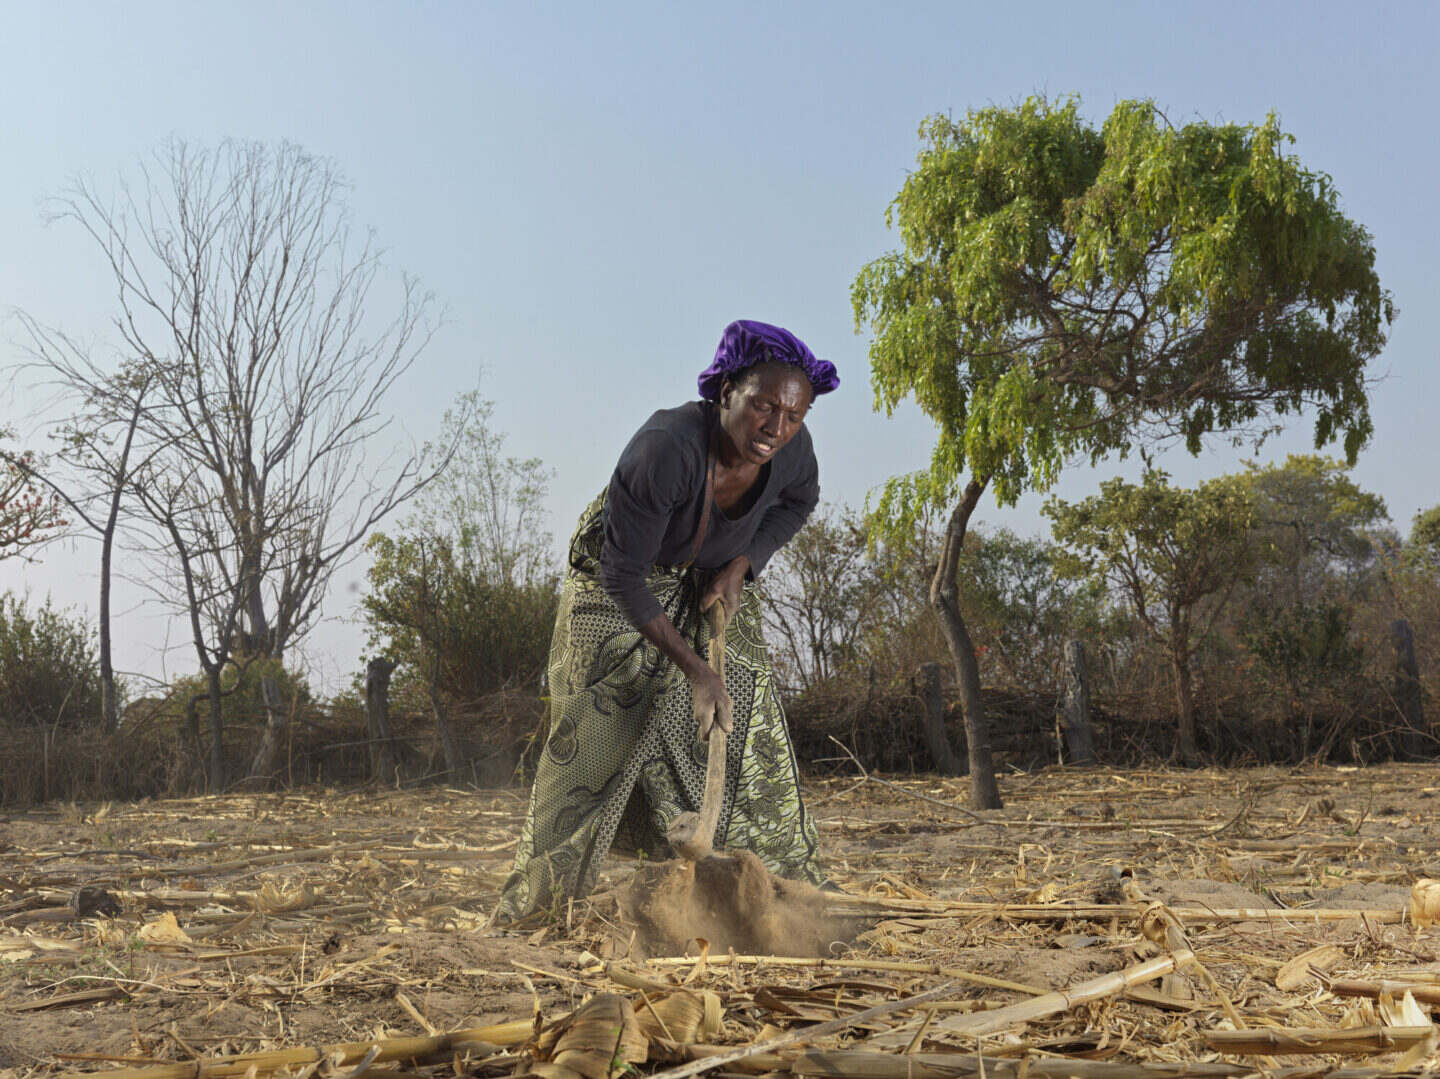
[[949, 806], [696, 1067]]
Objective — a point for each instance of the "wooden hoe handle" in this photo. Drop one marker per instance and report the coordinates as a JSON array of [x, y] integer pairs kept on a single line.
[[693, 834]]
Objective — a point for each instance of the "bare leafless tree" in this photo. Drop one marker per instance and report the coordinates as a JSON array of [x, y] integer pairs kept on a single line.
[[210, 569], [819, 589], [92, 464], [248, 307]]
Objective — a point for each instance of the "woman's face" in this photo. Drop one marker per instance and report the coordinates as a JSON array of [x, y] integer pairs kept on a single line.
[[764, 409]]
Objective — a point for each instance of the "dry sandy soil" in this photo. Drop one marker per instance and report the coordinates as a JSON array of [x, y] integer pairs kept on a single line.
[[249, 923]]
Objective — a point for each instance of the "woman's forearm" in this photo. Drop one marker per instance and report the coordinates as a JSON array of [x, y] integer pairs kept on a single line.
[[661, 632], [707, 688]]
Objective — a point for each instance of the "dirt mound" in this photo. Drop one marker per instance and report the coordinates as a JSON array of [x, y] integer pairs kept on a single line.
[[731, 901], [1214, 894]]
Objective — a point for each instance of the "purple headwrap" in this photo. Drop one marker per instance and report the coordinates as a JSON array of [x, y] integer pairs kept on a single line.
[[746, 343]]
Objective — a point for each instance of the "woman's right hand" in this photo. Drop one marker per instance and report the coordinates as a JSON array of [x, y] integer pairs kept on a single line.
[[712, 704]]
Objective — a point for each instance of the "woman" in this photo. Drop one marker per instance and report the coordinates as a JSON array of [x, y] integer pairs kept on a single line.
[[701, 498]]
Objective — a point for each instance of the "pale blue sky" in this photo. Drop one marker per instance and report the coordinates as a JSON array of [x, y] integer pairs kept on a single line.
[[593, 191]]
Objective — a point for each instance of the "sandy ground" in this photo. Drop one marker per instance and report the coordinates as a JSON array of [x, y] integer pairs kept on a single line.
[[318, 916]]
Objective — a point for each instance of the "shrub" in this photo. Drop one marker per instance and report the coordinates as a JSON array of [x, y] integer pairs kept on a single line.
[[49, 675], [242, 703], [444, 621]]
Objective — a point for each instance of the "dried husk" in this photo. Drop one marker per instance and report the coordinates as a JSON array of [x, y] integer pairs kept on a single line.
[[601, 1040], [1425, 903], [1405, 1012], [1302, 968], [274, 898], [164, 930], [682, 1016]]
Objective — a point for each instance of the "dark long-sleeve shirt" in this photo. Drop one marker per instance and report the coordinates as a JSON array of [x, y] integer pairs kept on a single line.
[[656, 494]]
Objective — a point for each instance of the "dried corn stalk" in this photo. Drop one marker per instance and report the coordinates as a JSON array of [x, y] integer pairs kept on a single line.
[[1304, 966], [1402, 1013]]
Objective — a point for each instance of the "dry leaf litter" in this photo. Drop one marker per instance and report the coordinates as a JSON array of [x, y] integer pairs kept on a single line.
[[1103, 925]]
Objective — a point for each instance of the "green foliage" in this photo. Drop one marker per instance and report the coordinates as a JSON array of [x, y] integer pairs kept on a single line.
[[1166, 549], [1175, 554], [489, 508], [1309, 664], [1306, 647], [1315, 526], [49, 675], [1062, 290], [1317, 534], [241, 699], [449, 626], [1021, 612], [464, 596], [1425, 535]]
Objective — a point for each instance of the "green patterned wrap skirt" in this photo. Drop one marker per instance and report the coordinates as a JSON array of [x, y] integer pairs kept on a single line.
[[622, 757]]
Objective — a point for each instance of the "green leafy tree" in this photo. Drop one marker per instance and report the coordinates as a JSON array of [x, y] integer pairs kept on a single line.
[[1316, 525], [463, 596], [1175, 554], [1063, 291], [461, 633], [1317, 534], [1415, 586], [1023, 612], [48, 673], [1305, 648], [488, 506], [1425, 535]]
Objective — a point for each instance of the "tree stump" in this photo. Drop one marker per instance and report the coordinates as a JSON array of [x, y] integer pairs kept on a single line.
[[377, 717], [1075, 706], [1405, 687], [932, 722]]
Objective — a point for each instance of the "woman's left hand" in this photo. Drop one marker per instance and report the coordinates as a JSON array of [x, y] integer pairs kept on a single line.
[[727, 586]]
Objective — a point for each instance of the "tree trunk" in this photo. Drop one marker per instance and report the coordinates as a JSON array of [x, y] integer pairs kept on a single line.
[[217, 731], [192, 725], [945, 598], [932, 722], [109, 699], [109, 702], [1409, 701], [275, 720], [1185, 697], [449, 748], [1075, 708], [257, 640], [377, 716]]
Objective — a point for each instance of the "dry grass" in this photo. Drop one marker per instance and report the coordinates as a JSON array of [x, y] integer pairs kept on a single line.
[[341, 921]]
